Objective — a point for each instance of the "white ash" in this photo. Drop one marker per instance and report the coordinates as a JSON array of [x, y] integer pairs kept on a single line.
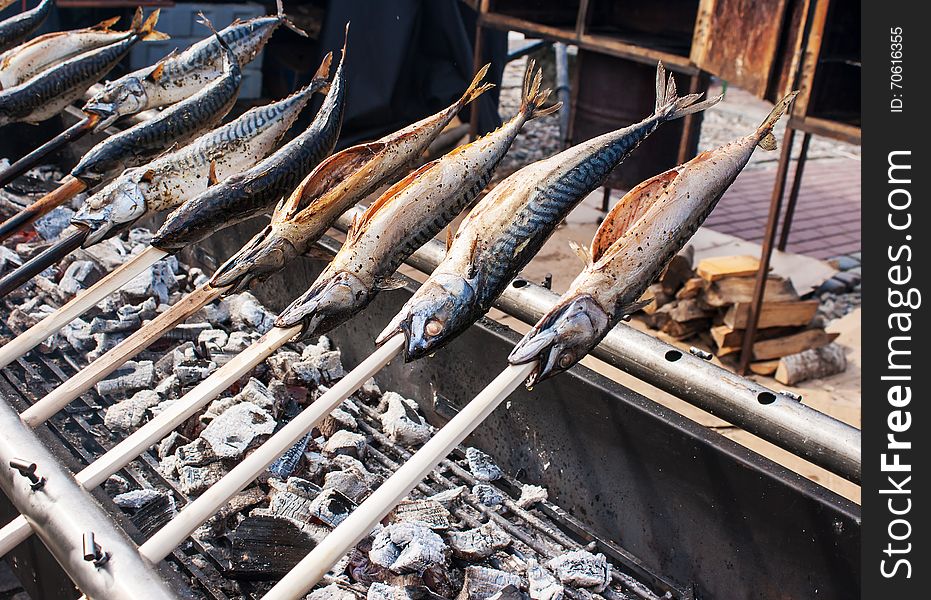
[[330, 507], [351, 478], [345, 442], [482, 583], [51, 225], [314, 464], [198, 278], [139, 236], [370, 389], [169, 387], [189, 367], [239, 341], [488, 495], [482, 466], [169, 444], [130, 414], [157, 281], [427, 511], [290, 501], [196, 480], [128, 317], [401, 422], [237, 429], [478, 543], [110, 253], [213, 340], [582, 569], [336, 420], [80, 275], [450, 497], [254, 392], [137, 498], [408, 547], [248, 313], [196, 453], [542, 585], [330, 592], [320, 368], [531, 495], [131, 377]]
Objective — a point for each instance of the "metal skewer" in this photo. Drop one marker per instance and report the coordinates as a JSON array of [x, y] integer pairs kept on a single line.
[[75, 132], [68, 189], [39, 332], [361, 522], [194, 514], [43, 260]]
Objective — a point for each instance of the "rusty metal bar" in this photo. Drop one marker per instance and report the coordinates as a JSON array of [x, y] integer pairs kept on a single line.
[[793, 193]]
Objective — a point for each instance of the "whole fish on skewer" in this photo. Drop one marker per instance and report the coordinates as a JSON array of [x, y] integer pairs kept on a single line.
[[16, 29], [49, 92], [510, 225], [639, 237], [407, 215], [180, 75], [333, 187]]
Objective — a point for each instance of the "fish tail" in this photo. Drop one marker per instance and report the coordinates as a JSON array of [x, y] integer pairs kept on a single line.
[[476, 88], [146, 29], [106, 24], [288, 22], [765, 130], [669, 105], [532, 98], [323, 72]]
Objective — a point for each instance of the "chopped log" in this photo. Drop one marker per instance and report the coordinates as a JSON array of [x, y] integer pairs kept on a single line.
[[732, 290], [677, 272], [792, 344], [719, 267], [688, 310], [660, 298], [811, 364], [764, 367], [772, 314], [691, 288], [681, 330], [729, 340]]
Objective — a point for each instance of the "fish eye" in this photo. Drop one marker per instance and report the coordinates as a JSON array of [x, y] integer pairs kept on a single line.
[[433, 328], [566, 360]]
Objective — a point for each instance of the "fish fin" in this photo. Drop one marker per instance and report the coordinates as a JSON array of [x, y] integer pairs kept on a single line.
[[768, 142], [669, 105], [476, 88], [212, 174], [471, 269], [323, 71], [449, 237], [147, 30], [148, 176], [288, 22], [765, 130], [136, 23], [386, 284], [532, 98], [390, 194], [106, 24], [633, 307], [628, 210], [156, 73], [582, 252]]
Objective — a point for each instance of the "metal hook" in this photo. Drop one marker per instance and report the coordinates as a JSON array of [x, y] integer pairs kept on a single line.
[[93, 552], [28, 469]]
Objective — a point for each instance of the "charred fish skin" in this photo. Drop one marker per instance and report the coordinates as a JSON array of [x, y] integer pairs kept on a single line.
[[333, 187], [406, 216], [46, 94], [176, 177], [175, 125], [252, 192], [16, 29], [510, 225], [631, 248]]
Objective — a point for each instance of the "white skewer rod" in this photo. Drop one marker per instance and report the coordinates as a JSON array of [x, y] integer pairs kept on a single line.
[[360, 523], [194, 514], [80, 304], [164, 423], [59, 398]]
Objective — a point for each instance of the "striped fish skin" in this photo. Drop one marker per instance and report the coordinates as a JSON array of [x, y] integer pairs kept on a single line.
[[256, 190], [333, 187], [182, 75], [21, 63], [405, 217], [631, 248], [175, 125], [16, 29], [172, 179], [510, 225]]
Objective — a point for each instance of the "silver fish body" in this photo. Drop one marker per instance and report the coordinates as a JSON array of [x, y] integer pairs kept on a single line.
[[510, 225], [631, 248], [16, 29]]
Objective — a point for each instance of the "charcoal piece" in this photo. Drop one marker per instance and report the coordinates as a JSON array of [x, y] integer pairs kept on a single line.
[[382, 591], [531, 495], [336, 420], [361, 568], [169, 387], [104, 342], [401, 422], [169, 466], [195, 480], [582, 569], [116, 485], [130, 414], [109, 253], [542, 584], [80, 275], [369, 389], [189, 368], [479, 543], [139, 236], [9, 259], [285, 465], [509, 592], [247, 313], [481, 583], [212, 340], [197, 277], [345, 442], [130, 377], [155, 514], [488, 495], [407, 548], [239, 341], [292, 499], [254, 391], [266, 547], [135, 499], [280, 364], [330, 592], [482, 466], [314, 464], [349, 483], [239, 428], [450, 497], [330, 507], [197, 453], [157, 281], [188, 332], [428, 511], [128, 318], [169, 444]]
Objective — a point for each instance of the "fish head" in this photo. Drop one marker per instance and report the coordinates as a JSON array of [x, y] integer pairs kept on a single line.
[[111, 209], [440, 309], [265, 254], [331, 301], [126, 96], [562, 337]]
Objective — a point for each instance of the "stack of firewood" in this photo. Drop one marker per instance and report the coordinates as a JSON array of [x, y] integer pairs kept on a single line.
[[712, 301]]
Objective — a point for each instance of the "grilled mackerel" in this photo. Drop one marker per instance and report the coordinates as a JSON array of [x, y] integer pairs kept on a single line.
[[16, 29], [407, 215], [179, 76], [48, 93], [333, 187], [637, 240], [510, 225], [175, 125], [256, 190], [176, 177]]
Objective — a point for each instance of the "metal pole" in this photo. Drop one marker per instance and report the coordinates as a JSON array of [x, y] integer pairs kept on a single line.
[[562, 90], [793, 193]]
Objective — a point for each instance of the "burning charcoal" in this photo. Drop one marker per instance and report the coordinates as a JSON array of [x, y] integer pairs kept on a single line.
[[77, 334], [352, 478], [428, 511], [510, 592], [481, 542], [482, 466], [292, 500], [104, 343], [237, 429], [329, 364], [247, 313], [19, 321], [313, 464], [139, 236], [196, 480], [239, 341], [136, 498], [345, 442], [336, 420], [80, 275], [109, 253], [50, 226], [482, 583], [381, 591], [582, 569], [155, 282], [410, 548], [543, 586], [330, 592], [212, 340], [169, 444], [197, 453], [9, 260], [116, 485], [131, 377], [488, 495], [531, 494], [254, 391], [267, 547], [450, 497], [330, 507], [161, 407], [401, 422], [168, 387], [190, 368], [287, 462], [129, 318], [169, 466], [187, 332], [154, 514], [128, 415]]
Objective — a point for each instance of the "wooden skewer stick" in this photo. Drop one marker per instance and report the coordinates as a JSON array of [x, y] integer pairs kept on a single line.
[[75, 132], [164, 423], [42, 410], [194, 514], [68, 189], [361, 522], [78, 305]]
